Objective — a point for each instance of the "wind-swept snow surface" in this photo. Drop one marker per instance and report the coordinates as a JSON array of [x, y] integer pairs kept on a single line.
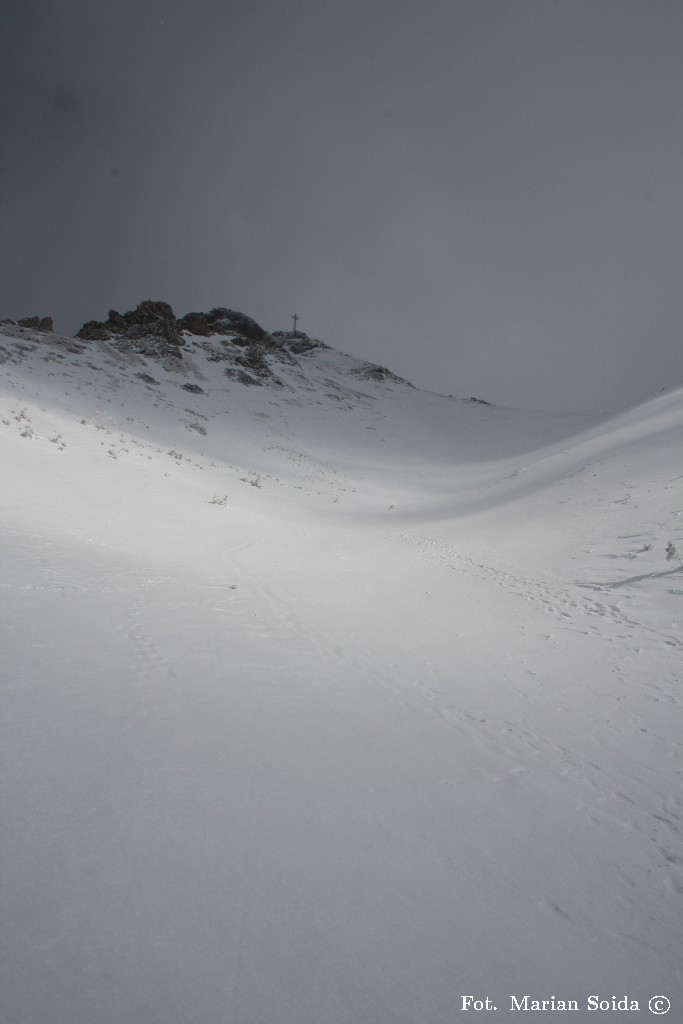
[[331, 701]]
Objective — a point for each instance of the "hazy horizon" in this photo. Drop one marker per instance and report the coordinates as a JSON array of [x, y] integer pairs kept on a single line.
[[483, 197]]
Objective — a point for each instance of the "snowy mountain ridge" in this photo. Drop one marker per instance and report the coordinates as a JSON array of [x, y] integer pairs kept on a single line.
[[327, 698], [225, 335], [152, 355]]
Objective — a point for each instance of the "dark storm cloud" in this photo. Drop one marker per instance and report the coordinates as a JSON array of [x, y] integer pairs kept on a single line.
[[483, 195]]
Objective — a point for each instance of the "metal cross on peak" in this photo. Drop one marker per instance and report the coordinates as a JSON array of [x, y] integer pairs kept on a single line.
[[295, 318]]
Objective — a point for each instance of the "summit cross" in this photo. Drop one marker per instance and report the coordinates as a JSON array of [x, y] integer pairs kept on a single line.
[[295, 318]]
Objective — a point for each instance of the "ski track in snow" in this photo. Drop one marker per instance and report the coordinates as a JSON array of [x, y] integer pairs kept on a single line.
[[575, 613], [505, 737], [571, 610]]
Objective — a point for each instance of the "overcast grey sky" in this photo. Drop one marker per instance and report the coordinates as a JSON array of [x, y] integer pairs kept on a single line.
[[484, 195]]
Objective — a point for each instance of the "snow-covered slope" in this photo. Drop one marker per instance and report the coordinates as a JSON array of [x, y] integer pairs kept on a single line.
[[329, 699]]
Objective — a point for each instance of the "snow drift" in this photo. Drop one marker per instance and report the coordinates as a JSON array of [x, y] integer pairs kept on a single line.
[[326, 698]]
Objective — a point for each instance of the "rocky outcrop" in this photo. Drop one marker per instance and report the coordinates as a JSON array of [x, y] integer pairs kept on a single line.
[[254, 361], [33, 323], [150, 329], [371, 371], [223, 321]]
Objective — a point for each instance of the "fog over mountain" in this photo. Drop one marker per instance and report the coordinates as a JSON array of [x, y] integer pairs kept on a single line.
[[483, 195]]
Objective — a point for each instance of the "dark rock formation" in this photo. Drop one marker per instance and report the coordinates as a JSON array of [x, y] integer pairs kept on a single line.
[[195, 323], [297, 342], [234, 373], [255, 362], [151, 329], [223, 321], [302, 345], [371, 371], [253, 359], [34, 323]]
